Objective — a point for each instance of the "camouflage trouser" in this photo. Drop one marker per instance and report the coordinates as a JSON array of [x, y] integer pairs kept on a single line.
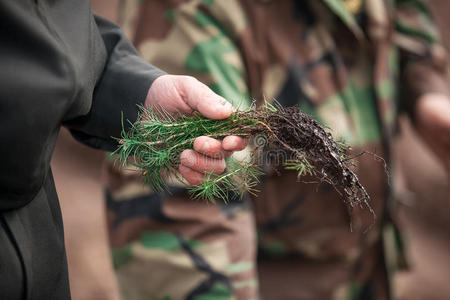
[[170, 247], [295, 277]]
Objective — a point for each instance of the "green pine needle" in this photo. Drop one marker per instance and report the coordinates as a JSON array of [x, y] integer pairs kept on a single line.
[[155, 142]]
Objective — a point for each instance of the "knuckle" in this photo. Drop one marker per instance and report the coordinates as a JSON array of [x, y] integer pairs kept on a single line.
[[189, 80]]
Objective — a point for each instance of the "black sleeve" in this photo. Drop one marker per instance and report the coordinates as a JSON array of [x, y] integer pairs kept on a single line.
[[122, 87]]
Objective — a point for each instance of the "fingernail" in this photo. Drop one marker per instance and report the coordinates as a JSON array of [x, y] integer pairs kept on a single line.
[[205, 146], [228, 105], [232, 144], [225, 103]]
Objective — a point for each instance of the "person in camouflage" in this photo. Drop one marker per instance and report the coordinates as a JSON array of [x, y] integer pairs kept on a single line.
[[354, 65]]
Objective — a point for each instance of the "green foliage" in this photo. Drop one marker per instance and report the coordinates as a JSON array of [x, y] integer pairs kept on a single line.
[[154, 144], [240, 177], [303, 167]]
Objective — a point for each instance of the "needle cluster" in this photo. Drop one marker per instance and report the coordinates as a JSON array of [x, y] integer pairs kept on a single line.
[[154, 144]]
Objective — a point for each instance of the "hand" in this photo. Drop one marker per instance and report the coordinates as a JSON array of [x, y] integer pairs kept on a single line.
[[433, 123], [185, 94]]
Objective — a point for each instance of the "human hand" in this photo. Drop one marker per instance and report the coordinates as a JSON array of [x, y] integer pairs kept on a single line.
[[433, 123], [183, 95]]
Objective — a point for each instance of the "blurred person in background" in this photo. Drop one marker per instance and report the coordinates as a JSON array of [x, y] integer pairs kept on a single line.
[[355, 66]]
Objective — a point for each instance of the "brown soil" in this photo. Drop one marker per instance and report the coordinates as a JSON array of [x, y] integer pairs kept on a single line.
[[309, 143]]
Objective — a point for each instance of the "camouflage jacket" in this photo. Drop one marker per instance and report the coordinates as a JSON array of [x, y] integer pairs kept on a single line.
[[249, 49], [354, 69]]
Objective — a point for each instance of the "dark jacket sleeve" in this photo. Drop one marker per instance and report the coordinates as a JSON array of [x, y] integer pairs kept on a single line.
[[122, 87]]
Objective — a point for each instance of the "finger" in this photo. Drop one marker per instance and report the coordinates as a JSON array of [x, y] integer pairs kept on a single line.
[[202, 99], [209, 147], [201, 163], [193, 177], [234, 143]]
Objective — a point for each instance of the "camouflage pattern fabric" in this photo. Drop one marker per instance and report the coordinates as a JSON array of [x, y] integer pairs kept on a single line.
[[168, 247], [344, 64]]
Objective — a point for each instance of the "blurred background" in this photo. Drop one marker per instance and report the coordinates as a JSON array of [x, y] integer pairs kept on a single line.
[[421, 183], [425, 208]]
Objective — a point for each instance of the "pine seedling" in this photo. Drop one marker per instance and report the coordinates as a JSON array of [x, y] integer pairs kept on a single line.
[[155, 141]]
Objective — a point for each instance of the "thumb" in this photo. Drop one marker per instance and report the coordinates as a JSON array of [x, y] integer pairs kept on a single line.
[[202, 99]]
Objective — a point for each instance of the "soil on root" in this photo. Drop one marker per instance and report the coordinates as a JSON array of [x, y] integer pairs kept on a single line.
[[308, 142]]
